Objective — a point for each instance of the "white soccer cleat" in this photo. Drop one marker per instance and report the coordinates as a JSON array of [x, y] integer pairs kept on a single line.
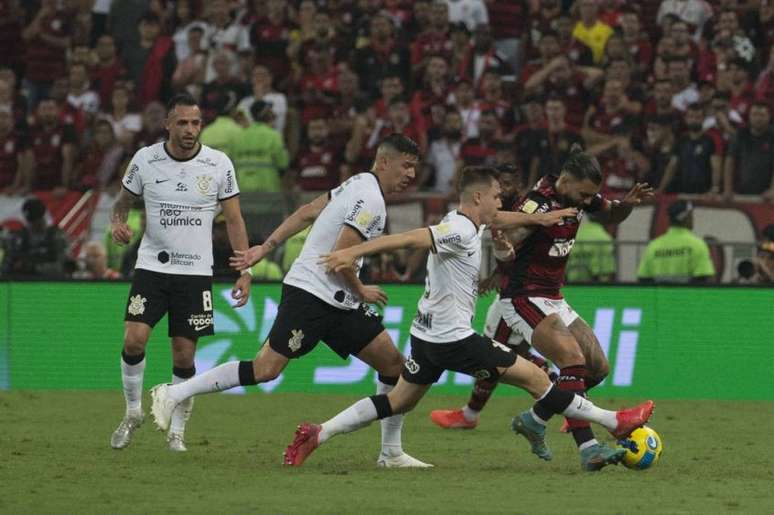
[[176, 443], [162, 406], [122, 436], [401, 461]]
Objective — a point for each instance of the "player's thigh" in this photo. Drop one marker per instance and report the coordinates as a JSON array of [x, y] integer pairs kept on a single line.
[[183, 351], [553, 339], [268, 364], [301, 321], [405, 396], [359, 332], [420, 368], [191, 313], [147, 303], [525, 374], [596, 361], [136, 335]]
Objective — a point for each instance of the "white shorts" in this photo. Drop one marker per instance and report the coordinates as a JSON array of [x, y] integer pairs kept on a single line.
[[497, 329], [523, 314]]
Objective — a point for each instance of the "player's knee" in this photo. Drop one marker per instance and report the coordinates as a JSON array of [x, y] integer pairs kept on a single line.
[[601, 370], [571, 356], [265, 372], [134, 343], [401, 405]]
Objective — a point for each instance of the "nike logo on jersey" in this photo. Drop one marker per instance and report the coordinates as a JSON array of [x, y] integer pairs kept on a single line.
[[471, 253], [159, 182]]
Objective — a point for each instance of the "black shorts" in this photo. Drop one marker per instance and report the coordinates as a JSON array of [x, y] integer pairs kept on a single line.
[[476, 356], [187, 299], [303, 320]]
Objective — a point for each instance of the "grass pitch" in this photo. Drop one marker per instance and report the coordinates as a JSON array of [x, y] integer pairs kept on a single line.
[[55, 458]]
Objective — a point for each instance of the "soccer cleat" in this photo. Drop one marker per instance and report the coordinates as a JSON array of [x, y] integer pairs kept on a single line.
[[122, 436], [599, 455], [175, 442], [631, 418], [565, 427], [304, 443], [162, 406], [452, 419], [401, 461], [534, 432]]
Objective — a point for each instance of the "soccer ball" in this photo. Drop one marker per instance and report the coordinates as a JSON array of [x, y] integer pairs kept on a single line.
[[643, 448]]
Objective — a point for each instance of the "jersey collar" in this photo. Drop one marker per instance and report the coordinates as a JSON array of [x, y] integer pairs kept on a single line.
[[469, 218], [167, 152], [378, 182]]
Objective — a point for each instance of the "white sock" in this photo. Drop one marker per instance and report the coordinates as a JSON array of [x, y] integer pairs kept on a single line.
[[586, 445], [131, 377], [391, 426], [182, 411], [222, 377], [469, 413], [584, 409], [360, 414]]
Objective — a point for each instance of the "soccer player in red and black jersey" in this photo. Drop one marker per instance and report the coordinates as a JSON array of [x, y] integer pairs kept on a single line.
[[533, 305]]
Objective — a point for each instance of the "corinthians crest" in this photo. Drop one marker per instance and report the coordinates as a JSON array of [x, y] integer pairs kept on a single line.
[[294, 343], [137, 305], [203, 183]]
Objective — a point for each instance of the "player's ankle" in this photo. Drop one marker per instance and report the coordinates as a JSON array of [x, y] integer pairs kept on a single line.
[[469, 413]]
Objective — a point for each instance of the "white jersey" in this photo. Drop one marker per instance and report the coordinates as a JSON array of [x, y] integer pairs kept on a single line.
[[358, 203], [445, 311], [181, 200]]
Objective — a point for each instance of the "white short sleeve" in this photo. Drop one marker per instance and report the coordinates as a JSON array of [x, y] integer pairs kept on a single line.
[[451, 237], [132, 180], [228, 186], [365, 212]]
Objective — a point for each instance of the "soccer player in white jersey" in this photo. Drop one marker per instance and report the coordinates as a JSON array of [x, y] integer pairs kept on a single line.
[[441, 335], [182, 183], [318, 306]]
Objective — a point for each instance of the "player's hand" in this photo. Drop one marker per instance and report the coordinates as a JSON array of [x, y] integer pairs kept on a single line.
[[489, 284], [373, 295], [244, 259], [337, 260], [121, 233], [241, 290], [641, 191], [554, 217], [500, 240]]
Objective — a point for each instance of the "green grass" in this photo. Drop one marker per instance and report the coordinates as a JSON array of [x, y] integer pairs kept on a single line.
[[55, 458]]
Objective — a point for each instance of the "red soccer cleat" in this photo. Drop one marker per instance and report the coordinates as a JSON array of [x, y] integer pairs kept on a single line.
[[565, 426], [304, 443], [452, 419], [631, 418]]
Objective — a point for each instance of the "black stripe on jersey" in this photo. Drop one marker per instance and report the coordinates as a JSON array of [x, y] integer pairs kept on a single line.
[[130, 191], [520, 268], [433, 248], [357, 230], [377, 182], [166, 151], [226, 198]]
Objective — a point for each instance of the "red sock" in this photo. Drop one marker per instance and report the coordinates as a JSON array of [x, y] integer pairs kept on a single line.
[[573, 379], [481, 392]]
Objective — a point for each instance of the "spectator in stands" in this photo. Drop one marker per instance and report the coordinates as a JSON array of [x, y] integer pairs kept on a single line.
[[270, 37], [620, 69], [593, 255], [151, 63], [126, 124], [764, 85], [591, 31], [750, 160], [263, 90], [682, 44], [614, 114], [153, 119], [694, 12], [444, 156], [482, 56], [223, 132], [94, 263], [697, 165], [435, 40], [576, 51], [259, 155], [12, 155], [11, 99], [391, 86], [677, 255], [509, 21], [224, 88], [527, 136], [318, 166], [191, 70], [470, 12], [660, 104], [639, 45], [553, 143], [47, 39], [482, 149], [108, 69], [80, 95], [468, 107], [434, 89], [382, 57], [493, 99], [98, 162], [658, 147], [38, 249], [51, 150], [684, 91], [318, 82], [184, 20]]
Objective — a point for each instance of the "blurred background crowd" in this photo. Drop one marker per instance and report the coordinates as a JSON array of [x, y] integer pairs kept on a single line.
[[677, 93]]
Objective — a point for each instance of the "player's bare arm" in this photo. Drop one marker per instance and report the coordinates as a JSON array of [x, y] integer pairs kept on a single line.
[[121, 232], [507, 220], [301, 218], [348, 239], [237, 236], [619, 210], [343, 259]]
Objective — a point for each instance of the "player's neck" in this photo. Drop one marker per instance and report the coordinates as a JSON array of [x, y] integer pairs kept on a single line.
[[181, 154], [471, 212]]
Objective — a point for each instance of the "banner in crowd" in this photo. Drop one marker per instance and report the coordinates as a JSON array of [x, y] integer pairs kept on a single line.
[[662, 342]]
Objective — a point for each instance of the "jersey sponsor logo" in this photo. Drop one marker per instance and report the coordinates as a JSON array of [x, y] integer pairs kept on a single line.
[[206, 161], [132, 173], [181, 187], [294, 343], [500, 346], [162, 180], [170, 217], [482, 374], [675, 252], [561, 248], [229, 182], [203, 184], [200, 322], [156, 159], [530, 206], [450, 239], [442, 229], [412, 366], [424, 319], [374, 224], [184, 259], [353, 215], [137, 305]]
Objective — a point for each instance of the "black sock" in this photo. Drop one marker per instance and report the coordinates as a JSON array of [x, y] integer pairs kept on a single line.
[[382, 404], [132, 360], [184, 373], [555, 402], [388, 380], [591, 382], [582, 435], [246, 375]]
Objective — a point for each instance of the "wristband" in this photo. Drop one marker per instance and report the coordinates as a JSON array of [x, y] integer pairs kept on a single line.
[[247, 271]]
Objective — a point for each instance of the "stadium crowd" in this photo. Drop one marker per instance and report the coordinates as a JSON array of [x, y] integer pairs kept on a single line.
[[678, 93]]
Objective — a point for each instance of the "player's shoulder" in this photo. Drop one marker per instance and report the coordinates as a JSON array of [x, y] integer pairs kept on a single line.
[[214, 157], [458, 223], [365, 185], [146, 153]]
